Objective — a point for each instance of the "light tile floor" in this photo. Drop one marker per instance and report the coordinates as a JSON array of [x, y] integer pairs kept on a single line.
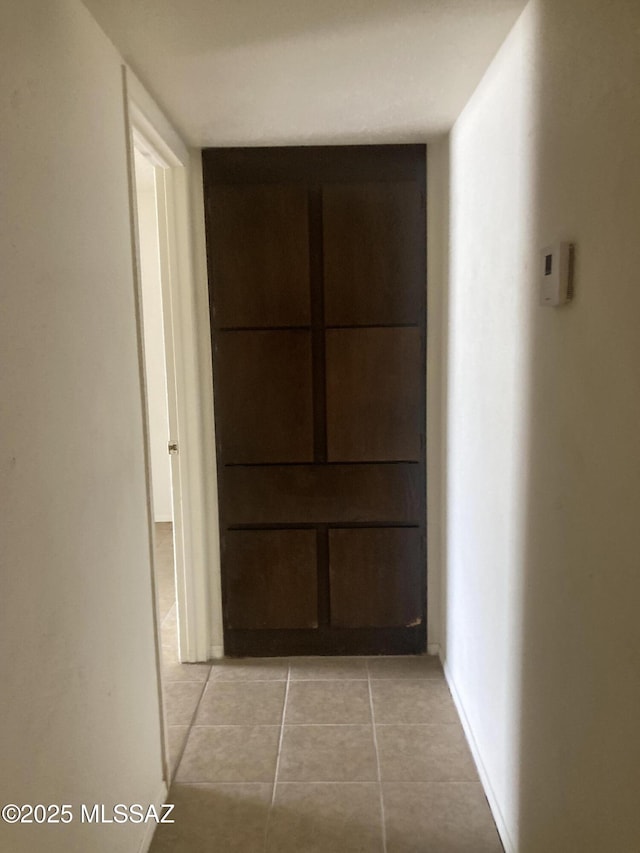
[[316, 755]]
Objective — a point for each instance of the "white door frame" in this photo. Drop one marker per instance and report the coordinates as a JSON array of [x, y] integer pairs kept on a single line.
[[194, 510]]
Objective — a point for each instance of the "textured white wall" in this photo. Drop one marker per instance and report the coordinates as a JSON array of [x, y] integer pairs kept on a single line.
[[543, 503], [79, 701], [155, 369]]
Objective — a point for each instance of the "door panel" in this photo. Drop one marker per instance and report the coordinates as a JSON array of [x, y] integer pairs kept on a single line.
[[260, 269], [374, 395], [272, 579], [323, 494], [265, 392], [374, 254], [363, 572], [317, 296]]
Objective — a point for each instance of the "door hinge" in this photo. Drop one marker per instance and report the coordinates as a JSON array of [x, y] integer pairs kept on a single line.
[[173, 448]]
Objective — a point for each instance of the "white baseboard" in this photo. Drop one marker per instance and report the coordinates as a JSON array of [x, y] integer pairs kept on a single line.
[[163, 519], [503, 832], [150, 827], [216, 652]]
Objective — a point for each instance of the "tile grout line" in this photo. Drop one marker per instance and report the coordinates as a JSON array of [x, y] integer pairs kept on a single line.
[[243, 681], [275, 778], [375, 744], [302, 783], [360, 724]]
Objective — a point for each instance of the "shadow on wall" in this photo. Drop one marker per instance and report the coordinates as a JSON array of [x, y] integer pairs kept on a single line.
[[580, 678]]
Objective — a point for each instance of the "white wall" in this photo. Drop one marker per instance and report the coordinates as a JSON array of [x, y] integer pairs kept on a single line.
[[543, 580], [79, 711], [155, 369]]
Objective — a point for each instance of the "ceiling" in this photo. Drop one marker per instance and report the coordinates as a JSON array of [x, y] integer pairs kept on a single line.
[[286, 72]]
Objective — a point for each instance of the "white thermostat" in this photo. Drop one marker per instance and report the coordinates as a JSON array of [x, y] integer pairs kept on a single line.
[[556, 286]]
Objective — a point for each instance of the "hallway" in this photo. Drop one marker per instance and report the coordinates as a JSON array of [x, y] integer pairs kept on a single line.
[[315, 755], [530, 115]]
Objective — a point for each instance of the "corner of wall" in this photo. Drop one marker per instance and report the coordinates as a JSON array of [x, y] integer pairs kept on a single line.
[[437, 283]]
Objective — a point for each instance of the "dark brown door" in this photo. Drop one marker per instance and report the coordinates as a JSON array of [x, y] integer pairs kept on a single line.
[[317, 292]]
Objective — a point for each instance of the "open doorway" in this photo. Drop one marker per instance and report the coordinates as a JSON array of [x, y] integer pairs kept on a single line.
[[156, 382], [182, 683], [168, 174], [157, 400], [170, 286]]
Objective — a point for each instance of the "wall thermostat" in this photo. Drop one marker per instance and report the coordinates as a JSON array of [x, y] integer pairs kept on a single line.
[[556, 286]]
